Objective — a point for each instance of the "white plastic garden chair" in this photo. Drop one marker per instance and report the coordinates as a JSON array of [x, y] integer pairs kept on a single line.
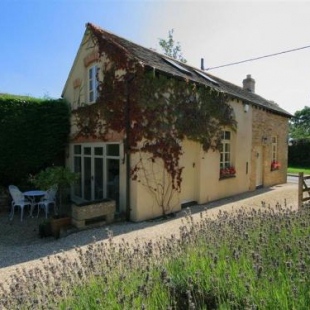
[[18, 200], [48, 199]]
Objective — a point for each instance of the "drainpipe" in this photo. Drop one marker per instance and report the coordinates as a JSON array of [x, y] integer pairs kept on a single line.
[[127, 146]]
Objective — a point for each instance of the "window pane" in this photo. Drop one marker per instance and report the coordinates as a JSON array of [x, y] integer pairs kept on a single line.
[[98, 150], [87, 151], [113, 180], [87, 178], [78, 169], [113, 149], [225, 135], [92, 84], [225, 150], [96, 89], [77, 149], [98, 178]]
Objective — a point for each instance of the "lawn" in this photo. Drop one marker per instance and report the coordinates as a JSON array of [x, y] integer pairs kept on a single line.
[[298, 169]]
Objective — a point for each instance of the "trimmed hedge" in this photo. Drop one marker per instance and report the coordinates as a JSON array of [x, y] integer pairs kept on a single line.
[[299, 154], [33, 135]]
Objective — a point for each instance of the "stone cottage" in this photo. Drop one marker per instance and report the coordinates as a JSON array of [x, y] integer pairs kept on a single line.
[[251, 150]]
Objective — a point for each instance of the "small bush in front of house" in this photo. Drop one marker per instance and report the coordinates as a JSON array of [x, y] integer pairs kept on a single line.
[[251, 259], [56, 176]]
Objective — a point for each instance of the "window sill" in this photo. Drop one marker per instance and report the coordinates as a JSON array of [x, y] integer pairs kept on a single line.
[[224, 177]]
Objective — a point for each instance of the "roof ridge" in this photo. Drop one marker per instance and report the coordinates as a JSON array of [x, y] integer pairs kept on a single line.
[[154, 59], [96, 29]]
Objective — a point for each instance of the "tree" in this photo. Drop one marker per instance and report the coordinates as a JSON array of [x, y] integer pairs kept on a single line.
[[300, 124], [172, 48]]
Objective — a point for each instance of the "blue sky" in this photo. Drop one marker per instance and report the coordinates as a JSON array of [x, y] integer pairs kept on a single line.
[[40, 38]]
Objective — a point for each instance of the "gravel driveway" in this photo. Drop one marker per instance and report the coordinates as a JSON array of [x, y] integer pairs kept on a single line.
[[20, 245]]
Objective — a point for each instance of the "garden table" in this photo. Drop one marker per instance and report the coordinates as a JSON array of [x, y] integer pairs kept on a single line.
[[34, 196]]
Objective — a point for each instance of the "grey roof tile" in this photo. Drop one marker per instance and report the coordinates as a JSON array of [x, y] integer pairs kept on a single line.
[[153, 59]]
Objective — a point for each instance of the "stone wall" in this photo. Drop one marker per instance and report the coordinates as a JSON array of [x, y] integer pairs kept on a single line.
[[93, 213], [265, 125]]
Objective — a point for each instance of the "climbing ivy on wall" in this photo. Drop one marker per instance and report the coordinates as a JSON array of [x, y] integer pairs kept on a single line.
[[162, 110]]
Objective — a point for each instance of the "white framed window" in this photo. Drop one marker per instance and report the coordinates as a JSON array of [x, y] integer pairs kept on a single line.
[[274, 149], [225, 150], [98, 165], [93, 84], [227, 168]]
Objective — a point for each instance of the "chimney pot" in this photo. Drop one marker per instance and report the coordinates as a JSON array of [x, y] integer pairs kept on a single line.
[[249, 84], [202, 66]]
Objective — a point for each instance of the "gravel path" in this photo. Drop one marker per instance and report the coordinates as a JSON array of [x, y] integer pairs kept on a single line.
[[21, 247]]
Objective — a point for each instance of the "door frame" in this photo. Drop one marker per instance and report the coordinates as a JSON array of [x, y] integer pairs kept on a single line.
[[259, 173], [105, 157]]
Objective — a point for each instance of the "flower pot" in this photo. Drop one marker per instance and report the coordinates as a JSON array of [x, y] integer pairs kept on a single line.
[[58, 224], [45, 229], [93, 212]]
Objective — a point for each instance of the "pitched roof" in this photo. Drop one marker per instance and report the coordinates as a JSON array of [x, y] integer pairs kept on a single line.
[[157, 61]]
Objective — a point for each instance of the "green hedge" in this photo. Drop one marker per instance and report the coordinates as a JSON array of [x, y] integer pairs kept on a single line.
[[33, 135], [299, 154]]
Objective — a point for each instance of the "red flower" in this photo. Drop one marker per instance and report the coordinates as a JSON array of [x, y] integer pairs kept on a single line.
[[228, 171], [275, 165]]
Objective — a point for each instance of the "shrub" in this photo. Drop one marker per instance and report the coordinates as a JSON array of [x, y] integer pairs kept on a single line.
[[60, 177], [34, 134], [251, 259], [298, 153]]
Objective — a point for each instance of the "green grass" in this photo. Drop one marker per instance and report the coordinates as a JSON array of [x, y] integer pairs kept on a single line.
[[298, 169], [253, 260]]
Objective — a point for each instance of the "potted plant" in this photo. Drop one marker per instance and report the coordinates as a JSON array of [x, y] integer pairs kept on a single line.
[[45, 229], [227, 172], [62, 178], [275, 165]]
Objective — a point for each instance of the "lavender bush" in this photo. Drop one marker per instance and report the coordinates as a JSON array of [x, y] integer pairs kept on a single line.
[[250, 259]]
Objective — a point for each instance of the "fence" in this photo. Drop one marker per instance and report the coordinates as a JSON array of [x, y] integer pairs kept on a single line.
[[303, 188]]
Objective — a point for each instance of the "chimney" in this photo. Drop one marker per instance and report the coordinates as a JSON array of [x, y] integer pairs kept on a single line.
[[202, 66], [249, 84]]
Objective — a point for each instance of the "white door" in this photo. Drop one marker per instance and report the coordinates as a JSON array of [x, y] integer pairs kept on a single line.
[[259, 166], [89, 163], [98, 166]]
